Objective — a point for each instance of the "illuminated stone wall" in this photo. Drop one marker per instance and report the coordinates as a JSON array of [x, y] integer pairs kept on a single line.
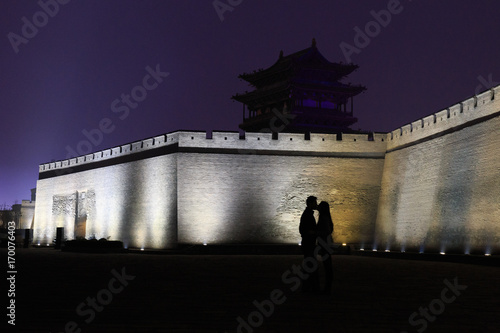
[[441, 184], [254, 189], [224, 189], [259, 199], [432, 185], [134, 202]]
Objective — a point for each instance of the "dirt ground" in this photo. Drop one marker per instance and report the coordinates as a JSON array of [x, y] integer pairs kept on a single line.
[[137, 292]]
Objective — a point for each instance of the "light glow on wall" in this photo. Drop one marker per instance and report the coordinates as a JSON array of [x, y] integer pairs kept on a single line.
[[439, 195], [442, 194]]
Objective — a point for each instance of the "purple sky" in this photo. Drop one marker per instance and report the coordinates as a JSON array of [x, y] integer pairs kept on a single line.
[[63, 79]]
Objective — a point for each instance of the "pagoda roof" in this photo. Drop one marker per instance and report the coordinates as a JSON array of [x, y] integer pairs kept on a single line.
[[284, 90], [309, 58]]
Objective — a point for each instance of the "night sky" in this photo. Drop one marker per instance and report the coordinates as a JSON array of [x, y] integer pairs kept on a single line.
[[61, 81]]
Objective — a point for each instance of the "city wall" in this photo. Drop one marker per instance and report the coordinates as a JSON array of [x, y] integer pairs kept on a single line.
[[441, 184], [431, 185], [212, 188]]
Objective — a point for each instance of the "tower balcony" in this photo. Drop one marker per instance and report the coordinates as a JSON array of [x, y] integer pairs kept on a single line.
[[300, 119]]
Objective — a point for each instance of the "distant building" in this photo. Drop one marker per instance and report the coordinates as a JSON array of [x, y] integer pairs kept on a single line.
[[304, 89], [27, 214], [21, 214], [16, 214], [33, 194]]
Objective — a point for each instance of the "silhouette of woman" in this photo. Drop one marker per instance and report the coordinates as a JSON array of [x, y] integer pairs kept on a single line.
[[324, 230]]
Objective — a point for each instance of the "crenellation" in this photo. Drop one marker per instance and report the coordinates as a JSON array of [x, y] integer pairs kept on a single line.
[[136, 146], [455, 110], [428, 121], [250, 136], [147, 143], [416, 125], [98, 155], [456, 116], [485, 97], [469, 104], [316, 142], [223, 138], [173, 138], [287, 141], [496, 92], [406, 130], [379, 137], [439, 193], [159, 140], [441, 115], [126, 149]]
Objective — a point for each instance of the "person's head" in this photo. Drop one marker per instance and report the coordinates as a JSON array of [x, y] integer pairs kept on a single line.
[[312, 202], [323, 207]]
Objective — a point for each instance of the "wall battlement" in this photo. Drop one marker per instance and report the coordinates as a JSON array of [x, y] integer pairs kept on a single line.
[[431, 185], [456, 116], [244, 143]]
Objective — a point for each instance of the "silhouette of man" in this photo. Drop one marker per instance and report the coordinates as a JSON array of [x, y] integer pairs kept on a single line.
[[307, 229]]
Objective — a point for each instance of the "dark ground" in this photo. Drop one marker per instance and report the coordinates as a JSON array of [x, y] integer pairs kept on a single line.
[[206, 293]]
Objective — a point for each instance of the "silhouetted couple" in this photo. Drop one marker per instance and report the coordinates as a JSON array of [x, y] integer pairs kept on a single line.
[[311, 232]]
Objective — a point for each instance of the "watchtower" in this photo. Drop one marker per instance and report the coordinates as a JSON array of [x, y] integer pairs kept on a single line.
[[305, 88]]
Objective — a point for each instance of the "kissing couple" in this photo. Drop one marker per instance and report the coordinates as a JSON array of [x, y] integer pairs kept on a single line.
[[311, 232]]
